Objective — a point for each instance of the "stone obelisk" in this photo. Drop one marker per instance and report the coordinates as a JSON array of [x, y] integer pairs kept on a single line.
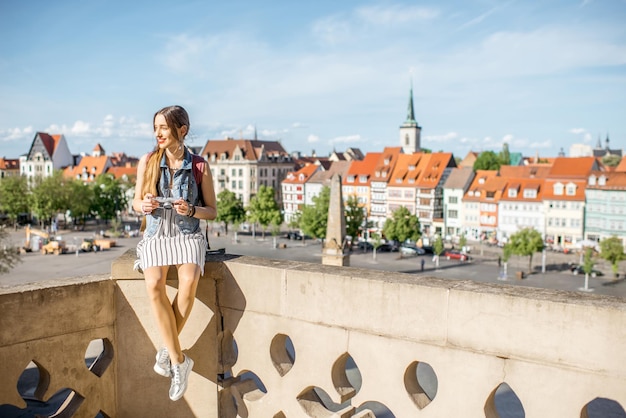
[[334, 252]]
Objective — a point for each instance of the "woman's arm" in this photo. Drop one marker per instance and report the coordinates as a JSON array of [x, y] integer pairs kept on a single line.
[[138, 203], [209, 210]]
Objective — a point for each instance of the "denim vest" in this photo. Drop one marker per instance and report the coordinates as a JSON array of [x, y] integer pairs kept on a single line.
[[184, 186]]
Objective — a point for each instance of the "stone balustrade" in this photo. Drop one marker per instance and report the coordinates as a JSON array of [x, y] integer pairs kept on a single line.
[[292, 339]]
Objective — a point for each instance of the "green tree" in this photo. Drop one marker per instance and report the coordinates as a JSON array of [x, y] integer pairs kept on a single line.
[[49, 197], [505, 156], [402, 226], [263, 208], [355, 215], [14, 197], [314, 219], [487, 160], [612, 250], [9, 255], [438, 246], [294, 222], [230, 209], [611, 160], [526, 242], [462, 241], [81, 201], [108, 197]]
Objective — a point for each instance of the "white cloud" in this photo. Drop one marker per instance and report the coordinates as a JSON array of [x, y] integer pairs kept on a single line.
[[346, 139], [312, 139], [447, 137]]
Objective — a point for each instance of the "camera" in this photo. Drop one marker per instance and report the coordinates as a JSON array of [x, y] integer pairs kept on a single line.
[[166, 202]]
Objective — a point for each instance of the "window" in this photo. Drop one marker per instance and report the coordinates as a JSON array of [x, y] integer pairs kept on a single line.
[[453, 199], [571, 189], [512, 192], [558, 189], [233, 184], [530, 193], [233, 172], [453, 214]]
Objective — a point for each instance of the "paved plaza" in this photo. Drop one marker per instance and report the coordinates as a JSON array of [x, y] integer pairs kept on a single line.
[[36, 267]]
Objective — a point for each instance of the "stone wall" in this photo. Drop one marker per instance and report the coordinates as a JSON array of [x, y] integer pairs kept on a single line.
[[291, 339]]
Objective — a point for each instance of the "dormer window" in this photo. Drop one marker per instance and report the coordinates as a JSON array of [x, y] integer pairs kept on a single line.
[[399, 180], [602, 180], [477, 193], [470, 193], [570, 189], [411, 167], [481, 180], [512, 192], [530, 193], [592, 180], [363, 179], [350, 179], [558, 189], [386, 161], [411, 181], [377, 173], [385, 174]]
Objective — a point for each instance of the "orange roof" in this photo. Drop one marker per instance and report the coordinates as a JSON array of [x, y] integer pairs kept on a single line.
[[432, 168], [119, 172], [301, 176], [524, 171], [386, 163], [358, 169], [406, 170], [572, 167], [520, 185], [612, 181], [90, 165], [621, 167], [549, 189], [478, 184]]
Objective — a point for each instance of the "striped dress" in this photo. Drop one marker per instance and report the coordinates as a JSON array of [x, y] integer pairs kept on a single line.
[[169, 246]]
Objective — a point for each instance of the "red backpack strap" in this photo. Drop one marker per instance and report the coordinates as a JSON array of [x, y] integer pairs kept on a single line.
[[198, 168]]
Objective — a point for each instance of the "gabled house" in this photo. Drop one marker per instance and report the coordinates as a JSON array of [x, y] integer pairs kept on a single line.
[[357, 181], [521, 206], [9, 167], [454, 189], [293, 190], [47, 153], [564, 199], [434, 170], [402, 186], [472, 222], [378, 192], [605, 208], [322, 178], [89, 168], [244, 165]]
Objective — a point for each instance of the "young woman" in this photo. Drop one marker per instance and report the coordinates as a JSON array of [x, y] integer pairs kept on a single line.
[[172, 200]]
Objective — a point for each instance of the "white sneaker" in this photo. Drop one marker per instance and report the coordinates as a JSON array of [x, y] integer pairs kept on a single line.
[[163, 365], [180, 375]]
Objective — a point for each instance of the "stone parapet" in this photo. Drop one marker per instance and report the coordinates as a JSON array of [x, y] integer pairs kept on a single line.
[[275, 338]]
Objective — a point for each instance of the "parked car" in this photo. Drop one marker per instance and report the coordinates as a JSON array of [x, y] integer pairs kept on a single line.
[[456, 255], [411, 249], [389, 246], [295, 235], [578, 269], [365, 246]]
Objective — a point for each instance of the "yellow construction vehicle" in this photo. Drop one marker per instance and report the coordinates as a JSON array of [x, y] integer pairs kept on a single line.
[[54, 246]]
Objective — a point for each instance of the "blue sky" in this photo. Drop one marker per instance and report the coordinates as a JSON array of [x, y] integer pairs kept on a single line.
[[316, 75]]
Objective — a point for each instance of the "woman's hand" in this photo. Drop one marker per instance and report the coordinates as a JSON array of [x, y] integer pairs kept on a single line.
[[148, 204], [183, 207]]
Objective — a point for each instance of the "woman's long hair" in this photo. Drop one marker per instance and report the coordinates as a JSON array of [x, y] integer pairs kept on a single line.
[[176, 117]]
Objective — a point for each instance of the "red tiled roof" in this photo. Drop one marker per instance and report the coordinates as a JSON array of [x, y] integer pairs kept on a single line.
[[251, 149], [362, 168], [301, 176], [572, 167]]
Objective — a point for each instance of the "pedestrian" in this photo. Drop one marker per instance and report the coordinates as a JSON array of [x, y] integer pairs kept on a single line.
[[499, 261], [422, 263], [173, 202]]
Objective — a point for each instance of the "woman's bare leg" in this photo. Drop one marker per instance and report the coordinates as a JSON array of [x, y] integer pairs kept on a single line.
[[162, 309], [188, 277]]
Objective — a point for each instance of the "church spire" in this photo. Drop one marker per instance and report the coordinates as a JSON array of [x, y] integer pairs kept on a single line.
[[410, 115]]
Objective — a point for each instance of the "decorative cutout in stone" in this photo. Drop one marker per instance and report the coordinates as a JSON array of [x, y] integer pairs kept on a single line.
[[63, 404], [98, 356], [346, 377], [317, 404], [246, 386], [603, 407], [421, 383], [503, 402], [33, 382], [282, 353], [372, 410], [228, 352], [280, 414]]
